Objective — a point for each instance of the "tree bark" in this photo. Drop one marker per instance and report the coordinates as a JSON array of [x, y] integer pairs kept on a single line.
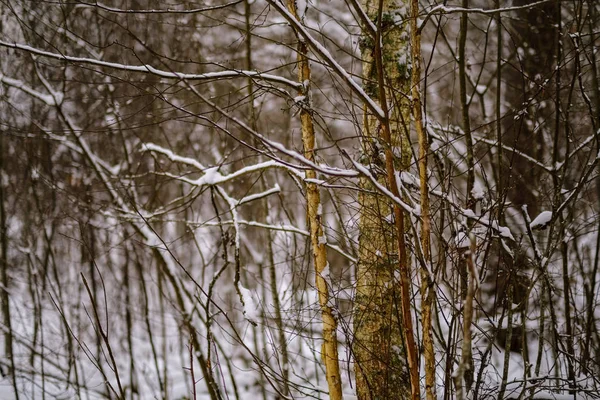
[[384, 347], [329, 349], [427, 279]]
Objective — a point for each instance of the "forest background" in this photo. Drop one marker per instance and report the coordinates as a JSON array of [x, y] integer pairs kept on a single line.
[[287, 199]]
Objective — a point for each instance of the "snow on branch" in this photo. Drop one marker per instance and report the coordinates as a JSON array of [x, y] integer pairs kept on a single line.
[[528, 226], [281, 228], [156, 11], [148, 69], [211, 175], [323, 168], [53, 99], [172, 156], [584, 143], [516, 152], [329, 60], [252, 197], [443, 10], [502, 231], [542, 220], [364, 171]]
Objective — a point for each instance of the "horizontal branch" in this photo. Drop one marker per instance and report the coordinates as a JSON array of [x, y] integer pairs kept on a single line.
[[281, 228], [527, 157], [367, 174], [50, 99], [148, 69], [502, 231], [151, 147], [156, 11], [444, 10], [215, 177]]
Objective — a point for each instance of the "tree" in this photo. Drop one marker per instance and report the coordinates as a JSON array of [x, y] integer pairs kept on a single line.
[[291, 199]]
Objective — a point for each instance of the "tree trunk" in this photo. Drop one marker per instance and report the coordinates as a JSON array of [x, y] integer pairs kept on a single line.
[[427, 279], [380, 316], [329, 349]]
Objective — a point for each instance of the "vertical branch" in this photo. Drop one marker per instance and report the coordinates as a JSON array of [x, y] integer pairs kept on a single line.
[[129, 326], [466, 363], [329, 349], [508, 341], [593, 19], [590, 294], [249, 65], [191, 353], [427, 288], [465, 373], [103, 333], [278, 318], [500, 177], [143, 290], [466, 122], [265, 206], [4, 295], [557, 181], [564, 249]]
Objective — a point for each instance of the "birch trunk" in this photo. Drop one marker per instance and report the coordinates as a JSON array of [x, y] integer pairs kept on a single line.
[[385, 354]]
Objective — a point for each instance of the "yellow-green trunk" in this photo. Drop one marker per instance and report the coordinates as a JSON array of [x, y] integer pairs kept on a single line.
[[381, 364]]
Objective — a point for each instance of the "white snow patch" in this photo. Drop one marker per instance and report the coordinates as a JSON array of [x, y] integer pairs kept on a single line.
[[251, 305], [409, 179], [462, 240], [389, 218], [315, 181], [325, 273], [211, 176], [322, 239], [477, 192], [301, 7], [542, 220], [417, 211], [503, 231]]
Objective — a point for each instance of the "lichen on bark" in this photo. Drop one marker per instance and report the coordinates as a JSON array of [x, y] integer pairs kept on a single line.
[[381, 364]]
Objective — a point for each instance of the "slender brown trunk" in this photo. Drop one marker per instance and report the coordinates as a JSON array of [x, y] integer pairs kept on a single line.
[[498, 106], [4, 295], [464, 375], [465, 372], [466, 121], [329, 349], [427, 282]]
